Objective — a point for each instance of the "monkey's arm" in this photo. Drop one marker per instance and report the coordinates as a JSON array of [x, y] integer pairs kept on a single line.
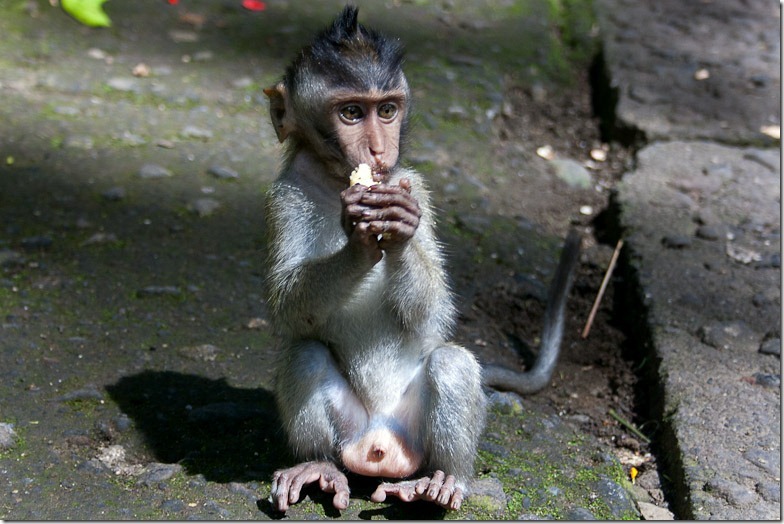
[[400, 215], [421, 295], [306, 282]]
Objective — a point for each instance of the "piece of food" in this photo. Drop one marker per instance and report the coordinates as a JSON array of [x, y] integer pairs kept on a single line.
[[362, 175]]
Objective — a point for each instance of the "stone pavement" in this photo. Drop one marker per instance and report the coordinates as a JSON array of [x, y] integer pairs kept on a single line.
[[698, 91]]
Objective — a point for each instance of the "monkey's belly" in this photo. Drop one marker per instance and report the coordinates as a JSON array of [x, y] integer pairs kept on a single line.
[[381, 453]]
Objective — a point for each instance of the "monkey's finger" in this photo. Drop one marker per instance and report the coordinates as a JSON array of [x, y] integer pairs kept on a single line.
[[393, 237], [339, 488], [353, 193], [402, 490], [280, 491], [307, 476], [337, 484], [366, 235], [329, 482], [386, 199], [357, 211], [351, 197], [404, 187], [436, 482], [422, 485], [281, 502], [393, 227], [457, 499], [405, 492], [382, 198], [340, 500], [395, 213], [380, 495], [393, 206], [447, 490]]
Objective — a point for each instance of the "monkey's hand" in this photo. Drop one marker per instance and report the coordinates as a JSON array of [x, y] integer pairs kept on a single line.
[[357, 229], [287, 484], [439, 488], [389, 212]]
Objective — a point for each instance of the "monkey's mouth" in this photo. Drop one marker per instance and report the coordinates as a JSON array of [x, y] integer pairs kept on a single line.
[[380, 172]]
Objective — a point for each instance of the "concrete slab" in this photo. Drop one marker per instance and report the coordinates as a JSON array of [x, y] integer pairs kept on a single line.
[[695, 69], [712, 303], [702, 223]]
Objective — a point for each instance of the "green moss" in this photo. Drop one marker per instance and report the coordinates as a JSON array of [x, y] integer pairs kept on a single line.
[[586, 475], [536, 478], [83, 405], [573, 42]]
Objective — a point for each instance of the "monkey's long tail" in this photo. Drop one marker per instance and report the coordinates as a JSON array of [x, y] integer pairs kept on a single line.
[[540, 374]]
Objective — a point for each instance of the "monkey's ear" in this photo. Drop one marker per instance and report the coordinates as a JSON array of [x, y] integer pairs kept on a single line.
[[280, 113]]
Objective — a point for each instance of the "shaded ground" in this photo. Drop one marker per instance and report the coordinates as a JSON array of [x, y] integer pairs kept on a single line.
[[502, 319], [131, 305]]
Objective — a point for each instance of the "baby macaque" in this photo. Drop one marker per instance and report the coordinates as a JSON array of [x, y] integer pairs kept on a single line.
[[368, 380]]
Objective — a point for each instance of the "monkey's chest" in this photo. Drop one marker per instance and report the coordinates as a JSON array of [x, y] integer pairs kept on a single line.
[[366, 319], [368, 341]]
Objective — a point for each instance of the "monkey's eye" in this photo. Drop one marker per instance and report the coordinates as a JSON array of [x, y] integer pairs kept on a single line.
[[387, 111], [351, 114]]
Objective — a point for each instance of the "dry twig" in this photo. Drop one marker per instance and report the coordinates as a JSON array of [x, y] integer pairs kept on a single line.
[[599, 295]]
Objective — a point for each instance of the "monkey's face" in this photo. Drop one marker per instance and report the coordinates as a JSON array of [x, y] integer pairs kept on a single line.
[[367, 126]]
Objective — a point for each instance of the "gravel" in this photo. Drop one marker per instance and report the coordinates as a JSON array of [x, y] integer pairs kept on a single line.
[[151, 171], [8, 437]]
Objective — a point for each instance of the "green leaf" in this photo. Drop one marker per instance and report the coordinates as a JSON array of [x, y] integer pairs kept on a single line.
[[88, 12]]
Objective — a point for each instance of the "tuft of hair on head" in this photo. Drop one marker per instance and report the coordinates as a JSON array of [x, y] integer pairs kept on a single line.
[[349, 55]]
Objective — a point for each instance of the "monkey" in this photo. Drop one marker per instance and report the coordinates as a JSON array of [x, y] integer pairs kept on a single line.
[[367, 379]]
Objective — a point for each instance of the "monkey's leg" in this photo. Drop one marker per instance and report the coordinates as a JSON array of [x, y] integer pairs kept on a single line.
[[317, 406], [454, 407]]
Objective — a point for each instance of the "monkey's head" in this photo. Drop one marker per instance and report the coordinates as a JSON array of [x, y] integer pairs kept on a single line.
[[344, 97]]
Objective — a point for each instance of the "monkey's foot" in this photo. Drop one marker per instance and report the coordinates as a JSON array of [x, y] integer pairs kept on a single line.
[[439, 488], [287, 484]]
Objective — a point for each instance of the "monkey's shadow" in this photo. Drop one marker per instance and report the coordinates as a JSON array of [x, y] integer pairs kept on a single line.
[[209, 427], [228, 434]]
